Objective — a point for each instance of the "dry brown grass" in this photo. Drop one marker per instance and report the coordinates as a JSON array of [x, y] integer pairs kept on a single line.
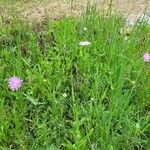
[[35, 10]]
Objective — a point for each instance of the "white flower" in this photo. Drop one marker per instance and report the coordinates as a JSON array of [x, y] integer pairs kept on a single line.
[[84, 43], [64, 95], [84, 28]]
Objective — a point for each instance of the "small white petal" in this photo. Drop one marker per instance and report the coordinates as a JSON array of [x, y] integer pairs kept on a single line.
[[64, 95], [84, 28], [84, 43]]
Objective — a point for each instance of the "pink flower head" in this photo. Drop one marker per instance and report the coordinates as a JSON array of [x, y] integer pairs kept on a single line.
[[146, 57], [15, 83]]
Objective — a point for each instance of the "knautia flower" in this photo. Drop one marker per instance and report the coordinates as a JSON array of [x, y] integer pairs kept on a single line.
[[147, 57], [84, 43], [14, 83]]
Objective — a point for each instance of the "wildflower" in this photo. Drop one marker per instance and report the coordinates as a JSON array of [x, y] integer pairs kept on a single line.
[[44, 80], [146, 57], [137, 126], [84, 43], [92, 99], [15, 83], [133, 82], [64, 95], [84, 28]]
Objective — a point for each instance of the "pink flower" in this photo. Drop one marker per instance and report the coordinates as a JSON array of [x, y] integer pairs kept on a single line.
[[15, 83], [146, 57]]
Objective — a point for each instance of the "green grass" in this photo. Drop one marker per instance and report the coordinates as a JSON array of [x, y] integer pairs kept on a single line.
[[107, 85]]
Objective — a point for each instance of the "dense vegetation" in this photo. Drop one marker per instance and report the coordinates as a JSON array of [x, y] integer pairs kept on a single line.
[[73, 96]]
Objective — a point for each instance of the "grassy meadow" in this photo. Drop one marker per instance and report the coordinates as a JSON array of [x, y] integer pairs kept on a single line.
[[75, 97]]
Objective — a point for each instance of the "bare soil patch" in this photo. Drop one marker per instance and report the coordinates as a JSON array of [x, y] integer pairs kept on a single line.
[[35, 10]]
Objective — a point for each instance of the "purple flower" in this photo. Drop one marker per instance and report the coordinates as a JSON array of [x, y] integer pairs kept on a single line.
[[146, 57], [15, 83]]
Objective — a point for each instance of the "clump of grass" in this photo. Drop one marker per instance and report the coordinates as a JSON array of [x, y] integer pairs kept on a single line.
[[74, 96]]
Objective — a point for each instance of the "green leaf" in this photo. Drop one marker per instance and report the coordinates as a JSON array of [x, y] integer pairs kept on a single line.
[[32, 100]]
